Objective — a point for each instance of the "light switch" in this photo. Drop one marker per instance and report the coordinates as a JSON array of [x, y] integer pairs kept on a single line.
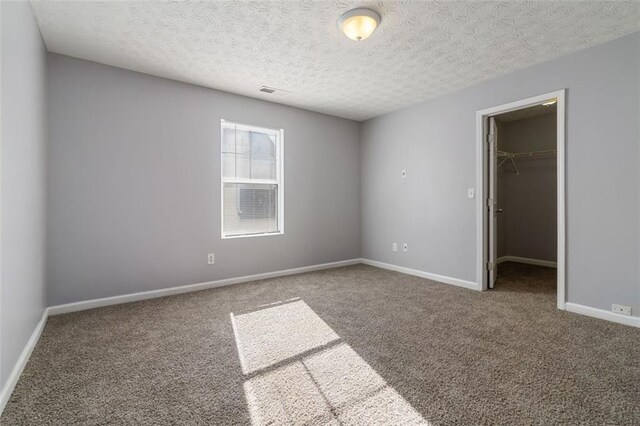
[[471, 192]]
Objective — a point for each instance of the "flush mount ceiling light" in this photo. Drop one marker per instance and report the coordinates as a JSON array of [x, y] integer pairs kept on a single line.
[[359, 24]]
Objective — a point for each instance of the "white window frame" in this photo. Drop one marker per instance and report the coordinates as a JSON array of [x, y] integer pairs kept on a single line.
[[279, 180]]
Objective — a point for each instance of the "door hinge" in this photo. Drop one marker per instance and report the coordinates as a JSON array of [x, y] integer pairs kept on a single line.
[[489, 202], [491, 266], [490, 138]]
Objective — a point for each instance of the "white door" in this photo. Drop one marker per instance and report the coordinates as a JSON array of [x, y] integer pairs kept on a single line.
[[493, 201]]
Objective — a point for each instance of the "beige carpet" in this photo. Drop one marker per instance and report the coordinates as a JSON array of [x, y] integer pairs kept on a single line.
[[355, 345]]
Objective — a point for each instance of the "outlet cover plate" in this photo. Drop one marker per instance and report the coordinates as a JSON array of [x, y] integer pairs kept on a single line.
[[621, 309]]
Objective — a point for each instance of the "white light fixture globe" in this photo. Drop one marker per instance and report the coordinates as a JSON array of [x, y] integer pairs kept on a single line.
[[359, 24]]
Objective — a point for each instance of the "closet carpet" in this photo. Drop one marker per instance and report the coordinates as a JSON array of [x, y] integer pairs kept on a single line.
[[353, 345]]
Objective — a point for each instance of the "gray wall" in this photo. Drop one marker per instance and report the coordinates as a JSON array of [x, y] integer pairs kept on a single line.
[[134, 184], [528, 225], [435, 142], [22, 291]]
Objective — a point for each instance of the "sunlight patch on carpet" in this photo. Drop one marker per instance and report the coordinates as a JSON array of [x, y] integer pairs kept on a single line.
[[298, 371], [268, 336]]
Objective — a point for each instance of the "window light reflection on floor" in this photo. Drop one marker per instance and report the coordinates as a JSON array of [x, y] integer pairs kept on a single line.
[[299, 371]]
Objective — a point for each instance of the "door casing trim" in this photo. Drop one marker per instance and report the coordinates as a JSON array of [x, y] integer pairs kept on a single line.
[[482, 185]]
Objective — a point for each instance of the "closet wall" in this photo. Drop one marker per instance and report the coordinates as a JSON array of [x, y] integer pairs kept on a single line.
[[528, 225]]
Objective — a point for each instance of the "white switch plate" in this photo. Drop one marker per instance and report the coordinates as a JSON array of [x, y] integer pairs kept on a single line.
[[405, 247], [471, 192], [394, 247], [621, 309], [211, 259], [403, 173]]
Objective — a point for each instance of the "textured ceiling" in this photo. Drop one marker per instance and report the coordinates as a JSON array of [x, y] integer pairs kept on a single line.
[[421, 49]]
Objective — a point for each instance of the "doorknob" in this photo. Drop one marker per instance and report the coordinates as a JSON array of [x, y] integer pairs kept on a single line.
[[498, 210]]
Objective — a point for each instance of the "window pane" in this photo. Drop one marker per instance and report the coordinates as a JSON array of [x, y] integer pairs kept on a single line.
[[243, 142], [263, 156], [236, 166], [250, 209], [243, 166], [229, 165], [263, 145], [263, 169], [228, 140]]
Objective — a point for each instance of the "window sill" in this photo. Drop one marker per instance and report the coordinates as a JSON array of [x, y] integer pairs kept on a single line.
[[266, 234]]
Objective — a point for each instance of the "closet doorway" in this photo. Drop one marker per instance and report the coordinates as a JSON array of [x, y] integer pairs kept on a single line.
[[521, 207]]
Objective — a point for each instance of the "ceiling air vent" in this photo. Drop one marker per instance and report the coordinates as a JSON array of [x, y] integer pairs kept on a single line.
[[270, 90]]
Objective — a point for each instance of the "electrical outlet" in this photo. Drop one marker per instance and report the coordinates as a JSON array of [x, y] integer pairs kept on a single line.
[[471, 192], [405, 247], [621, 309], [394, 247], [211, 258]]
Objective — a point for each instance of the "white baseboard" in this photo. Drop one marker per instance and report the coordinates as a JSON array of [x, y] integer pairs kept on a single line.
[[12, 380], [152, 294], [602, 314], [528, 261], [435, 277]]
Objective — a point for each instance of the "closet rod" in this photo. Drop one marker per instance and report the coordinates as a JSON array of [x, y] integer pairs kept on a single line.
[[526, 154], [513, 155]]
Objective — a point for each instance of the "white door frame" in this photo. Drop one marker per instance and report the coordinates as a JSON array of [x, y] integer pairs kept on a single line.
[[482, 185]]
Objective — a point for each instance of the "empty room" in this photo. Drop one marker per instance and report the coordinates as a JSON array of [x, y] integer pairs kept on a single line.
[[320, 212]]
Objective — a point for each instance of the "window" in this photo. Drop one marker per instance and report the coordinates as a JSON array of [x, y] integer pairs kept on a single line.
[[252, 195]]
